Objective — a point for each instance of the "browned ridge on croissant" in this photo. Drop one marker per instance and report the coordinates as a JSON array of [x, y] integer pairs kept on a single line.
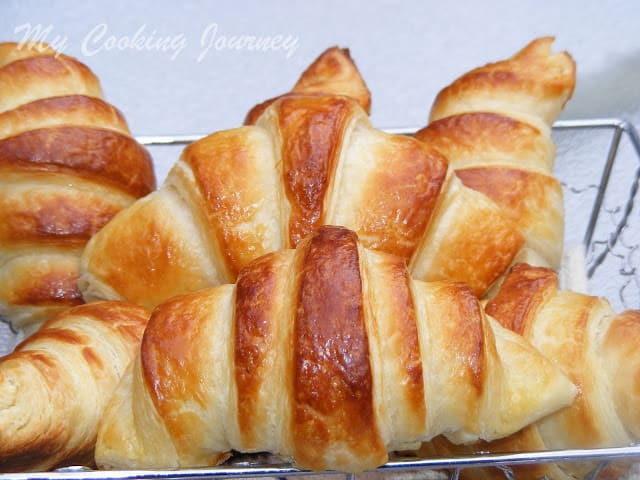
[[68, 165], [329, 354], [95, 154], [62, 110]]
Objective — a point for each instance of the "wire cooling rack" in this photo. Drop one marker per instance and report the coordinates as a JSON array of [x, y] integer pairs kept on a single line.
[[598, 164], [244, 467]]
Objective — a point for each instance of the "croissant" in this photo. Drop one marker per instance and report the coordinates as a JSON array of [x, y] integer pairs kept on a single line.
[[55, 386], [238, 194], [595, 347], [329, 354], [305, 159], [494, 126], [68, 164]]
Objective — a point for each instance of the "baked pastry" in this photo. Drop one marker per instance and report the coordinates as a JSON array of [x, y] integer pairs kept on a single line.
[[312, 159], [55, 386], [305, 159], [330, 355], [68, 163], [595, 347], [494, 126]]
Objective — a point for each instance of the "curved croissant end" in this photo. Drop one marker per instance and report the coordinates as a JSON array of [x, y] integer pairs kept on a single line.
[[493, 125], [55, 386], [534, 82], [332, 73], [591, 344]]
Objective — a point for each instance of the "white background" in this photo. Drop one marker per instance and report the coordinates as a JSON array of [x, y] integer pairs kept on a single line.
[[406, 51]]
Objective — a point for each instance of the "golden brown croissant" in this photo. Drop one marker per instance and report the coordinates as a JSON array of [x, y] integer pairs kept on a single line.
[[493, 125], [55, 386], [68, 163], [596, 348], [329, 354], [309, 158], [235, 195]]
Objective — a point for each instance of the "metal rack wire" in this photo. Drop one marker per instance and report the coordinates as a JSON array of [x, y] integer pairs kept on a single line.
[[452, 465], [607, 238]]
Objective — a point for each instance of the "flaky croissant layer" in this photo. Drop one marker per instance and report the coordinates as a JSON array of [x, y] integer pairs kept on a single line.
[[330, 355]]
